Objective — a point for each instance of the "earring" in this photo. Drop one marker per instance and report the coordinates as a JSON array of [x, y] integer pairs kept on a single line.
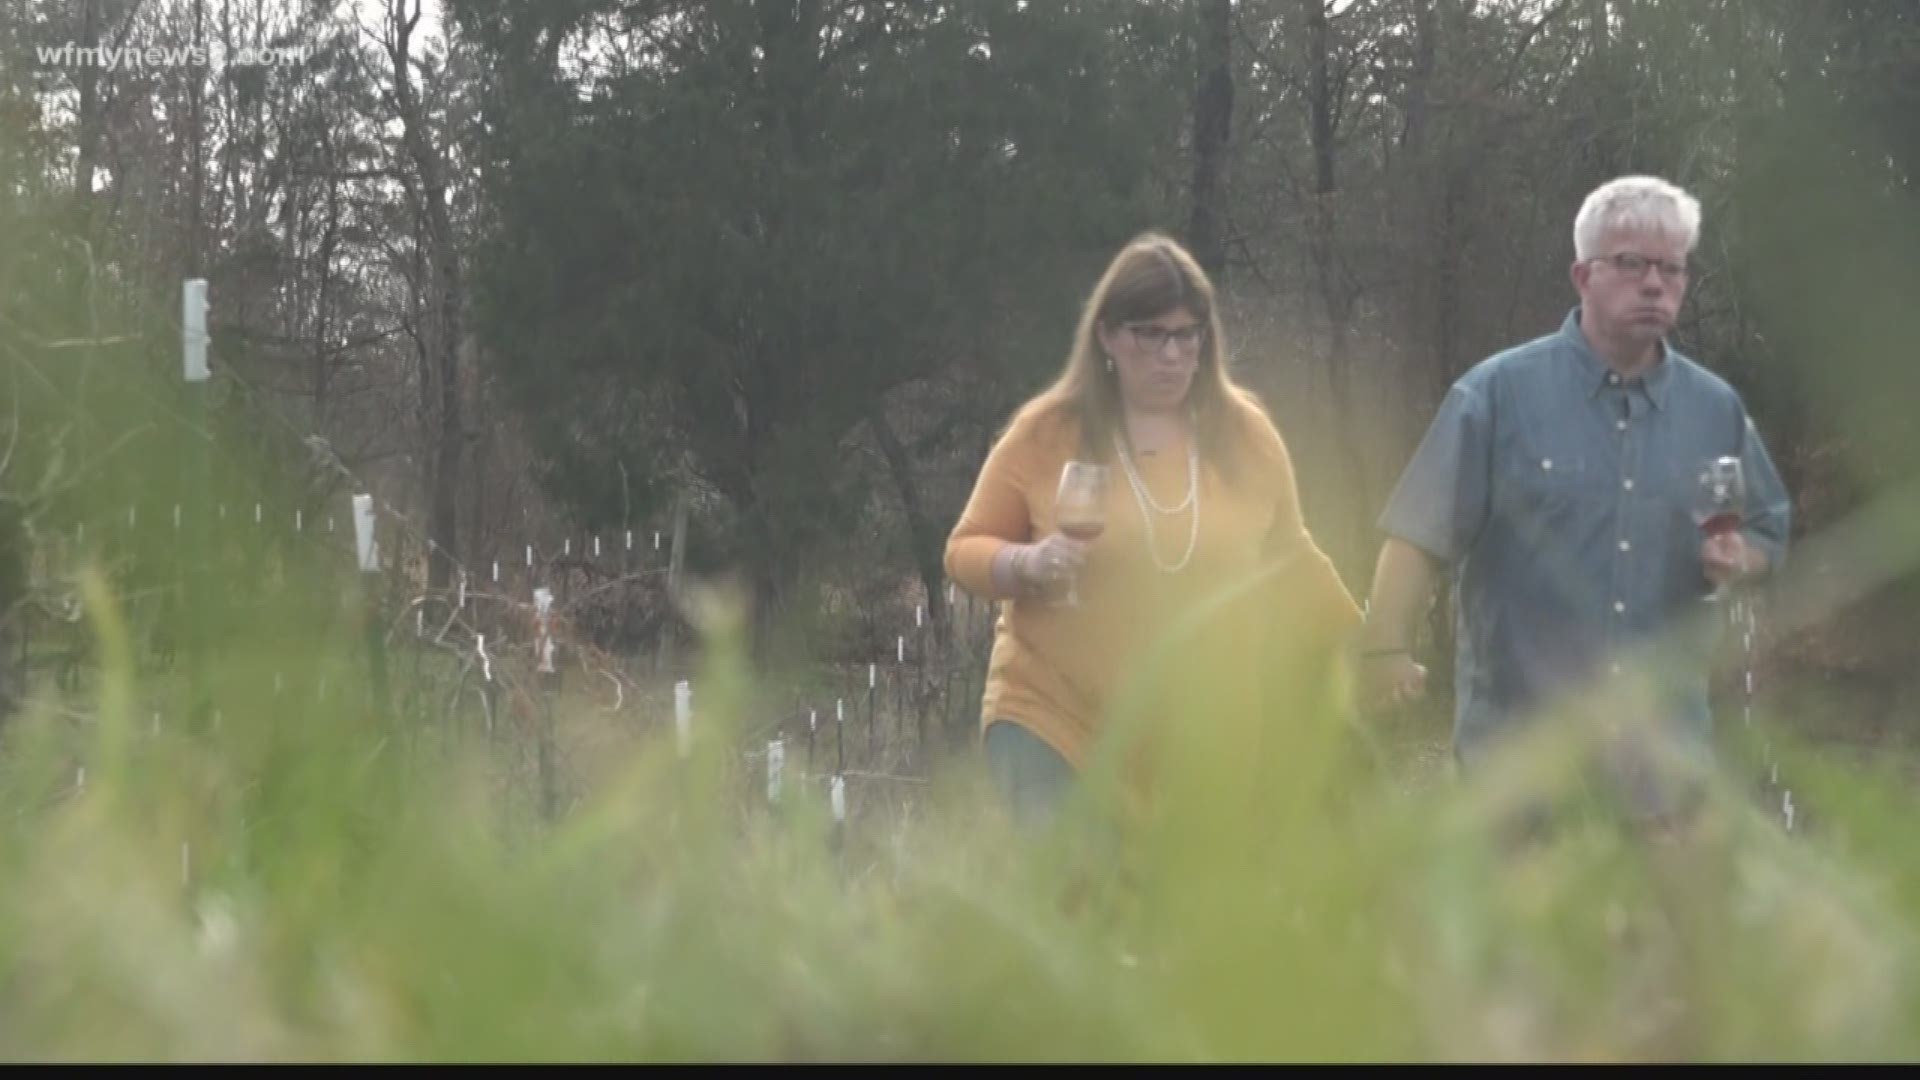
[[1109, 365]]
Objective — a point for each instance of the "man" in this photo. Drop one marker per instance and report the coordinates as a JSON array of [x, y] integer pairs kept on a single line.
[[1556, 484]]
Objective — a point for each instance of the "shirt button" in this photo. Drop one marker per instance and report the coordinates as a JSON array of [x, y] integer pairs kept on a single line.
[[1615, 668], [1627, 483], [1620, 607], [1613, 378], [1621, 424], [1626, 545], [1547, 464]]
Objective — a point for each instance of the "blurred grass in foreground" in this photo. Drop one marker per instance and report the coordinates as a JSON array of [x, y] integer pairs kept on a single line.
[[306, 880]]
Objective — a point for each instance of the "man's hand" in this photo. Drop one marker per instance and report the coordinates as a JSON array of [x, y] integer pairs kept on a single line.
[[1390, 680], [1402, 583], [1728, 559]]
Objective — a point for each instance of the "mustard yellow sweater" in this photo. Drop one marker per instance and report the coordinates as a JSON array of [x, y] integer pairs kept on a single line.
[[1053, 668]]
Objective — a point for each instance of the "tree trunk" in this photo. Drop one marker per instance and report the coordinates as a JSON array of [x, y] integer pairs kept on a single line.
[[925, 540], [87, 83], [664, 654], [1420, 79], [1212, 120], [322, 355], [196, 208], [677, 556], [1338, 292], [1426, 192], [444, 329], [14, 611], [1605, 148]]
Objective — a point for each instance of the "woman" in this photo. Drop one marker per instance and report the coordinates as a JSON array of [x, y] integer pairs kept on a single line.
[[1200, 497]]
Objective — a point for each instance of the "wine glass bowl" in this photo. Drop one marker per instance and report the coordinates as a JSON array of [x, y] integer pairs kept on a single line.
[[1719, 496], [1080, 507], [1719, 499]]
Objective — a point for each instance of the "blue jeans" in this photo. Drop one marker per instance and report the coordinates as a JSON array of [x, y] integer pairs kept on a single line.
[[1032, 777]]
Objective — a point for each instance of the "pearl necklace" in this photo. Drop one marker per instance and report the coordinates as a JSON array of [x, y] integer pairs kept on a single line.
[[1144, 498]]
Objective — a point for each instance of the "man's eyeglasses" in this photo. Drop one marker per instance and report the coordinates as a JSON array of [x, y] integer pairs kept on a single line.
[[1155, 338], [1634, 265]]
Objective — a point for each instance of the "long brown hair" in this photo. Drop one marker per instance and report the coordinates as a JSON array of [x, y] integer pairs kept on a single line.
[[1150, 277]]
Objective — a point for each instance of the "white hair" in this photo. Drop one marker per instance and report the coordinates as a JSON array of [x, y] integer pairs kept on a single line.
[[1635, 204]]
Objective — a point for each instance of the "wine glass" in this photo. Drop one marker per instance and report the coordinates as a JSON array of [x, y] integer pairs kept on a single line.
[[1719, 500], [1080, 506]]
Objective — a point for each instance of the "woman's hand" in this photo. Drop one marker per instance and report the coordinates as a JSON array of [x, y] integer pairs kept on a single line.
[[1048, 566]]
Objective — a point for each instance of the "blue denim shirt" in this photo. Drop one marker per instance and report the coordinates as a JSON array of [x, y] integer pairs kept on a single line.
[[1560, 496]]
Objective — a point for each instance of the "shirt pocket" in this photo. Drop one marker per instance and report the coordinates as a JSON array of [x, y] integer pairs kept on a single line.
[[1679, 474], [1547, 475]]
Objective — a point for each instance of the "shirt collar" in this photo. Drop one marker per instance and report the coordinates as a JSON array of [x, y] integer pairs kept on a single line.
[[1656, 382]]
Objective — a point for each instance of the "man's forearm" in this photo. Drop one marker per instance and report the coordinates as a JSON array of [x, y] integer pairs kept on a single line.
[[1402, 585]]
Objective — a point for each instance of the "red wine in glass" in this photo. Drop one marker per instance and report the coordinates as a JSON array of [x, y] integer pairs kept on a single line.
[[1721, 523], [1719, 497], [1084, 530], [1080, 506]]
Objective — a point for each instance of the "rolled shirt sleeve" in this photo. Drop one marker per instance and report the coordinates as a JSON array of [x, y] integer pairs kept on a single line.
[[1768, 519], [1440, 503]]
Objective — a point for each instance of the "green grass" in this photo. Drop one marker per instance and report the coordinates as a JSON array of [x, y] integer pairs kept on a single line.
[[359, 888]]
